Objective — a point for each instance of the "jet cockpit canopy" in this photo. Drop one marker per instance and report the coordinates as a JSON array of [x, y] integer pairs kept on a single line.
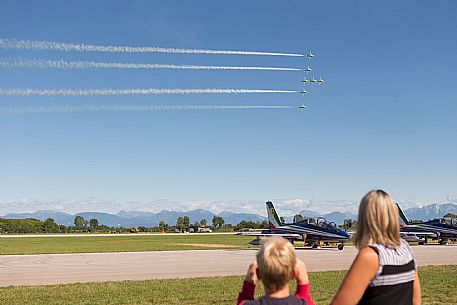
[[449, 221]]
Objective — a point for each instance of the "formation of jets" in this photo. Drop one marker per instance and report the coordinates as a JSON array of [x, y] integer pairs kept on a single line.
[[310, 55]]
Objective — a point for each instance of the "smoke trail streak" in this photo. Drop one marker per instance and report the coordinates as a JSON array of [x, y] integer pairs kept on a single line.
[[62, 64], [126, 108], [149, 91], [67, 47]]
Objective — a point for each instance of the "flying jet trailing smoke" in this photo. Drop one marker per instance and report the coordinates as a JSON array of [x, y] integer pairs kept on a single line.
[[149, 91], [128, 108], [72, 47], [63, 64]]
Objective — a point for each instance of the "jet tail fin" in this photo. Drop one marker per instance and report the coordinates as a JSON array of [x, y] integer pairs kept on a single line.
[[273, 218], [403, 220]]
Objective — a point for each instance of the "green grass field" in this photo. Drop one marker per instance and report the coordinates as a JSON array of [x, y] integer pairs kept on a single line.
[[132, 243], [438, 284]]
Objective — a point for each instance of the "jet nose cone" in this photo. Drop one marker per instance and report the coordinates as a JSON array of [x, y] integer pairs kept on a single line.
[[344, 233]]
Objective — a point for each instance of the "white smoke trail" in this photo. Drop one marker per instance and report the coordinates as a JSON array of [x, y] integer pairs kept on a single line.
[[149, 91], [62, 64], [127, 108], [67, 47]]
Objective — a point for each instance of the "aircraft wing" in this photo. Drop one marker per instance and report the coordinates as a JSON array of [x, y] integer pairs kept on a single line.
[[419, 233], [270, 234]]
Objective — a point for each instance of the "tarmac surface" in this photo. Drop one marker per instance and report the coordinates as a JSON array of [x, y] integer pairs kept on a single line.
[[48, 269]]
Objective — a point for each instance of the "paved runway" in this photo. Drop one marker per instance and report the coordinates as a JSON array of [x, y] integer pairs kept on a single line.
[[70, 268]]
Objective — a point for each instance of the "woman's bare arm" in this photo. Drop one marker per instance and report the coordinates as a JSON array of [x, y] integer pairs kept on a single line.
[[362, 271], [417, 293]]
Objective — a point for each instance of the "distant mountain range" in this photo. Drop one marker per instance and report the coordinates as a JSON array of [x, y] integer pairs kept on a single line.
[[136, 219], [149, 219], [431, 211]]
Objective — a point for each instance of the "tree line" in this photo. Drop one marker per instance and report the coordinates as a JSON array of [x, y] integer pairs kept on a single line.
[[31, 225]]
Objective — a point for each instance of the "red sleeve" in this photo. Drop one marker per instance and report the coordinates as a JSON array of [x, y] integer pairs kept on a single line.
[[247, 293], [303, 293]]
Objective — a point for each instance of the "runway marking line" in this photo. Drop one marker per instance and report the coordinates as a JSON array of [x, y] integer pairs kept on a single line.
[[210, 245]]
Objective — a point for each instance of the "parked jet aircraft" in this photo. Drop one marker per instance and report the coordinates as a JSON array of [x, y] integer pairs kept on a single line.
[[320, 80], [310, 55], [302, 106], [441, 228], [308, 69], [311, 231], [412, 238], [313, 80], [305, 80], [304, 92]]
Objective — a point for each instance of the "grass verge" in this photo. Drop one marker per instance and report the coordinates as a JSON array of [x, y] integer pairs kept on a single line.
[[438, 286], [132, 243]]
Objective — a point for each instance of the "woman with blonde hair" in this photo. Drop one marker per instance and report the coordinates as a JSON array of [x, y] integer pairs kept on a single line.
[[384, 271]]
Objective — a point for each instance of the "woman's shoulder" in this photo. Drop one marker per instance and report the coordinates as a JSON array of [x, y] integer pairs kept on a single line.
[[368, 255], [373, 248], [368, 251]]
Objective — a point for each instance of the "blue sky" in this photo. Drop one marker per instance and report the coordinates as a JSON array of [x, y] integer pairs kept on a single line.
[[385, 118]]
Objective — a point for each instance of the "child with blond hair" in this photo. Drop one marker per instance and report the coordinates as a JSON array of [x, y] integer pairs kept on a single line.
[[275, 266]]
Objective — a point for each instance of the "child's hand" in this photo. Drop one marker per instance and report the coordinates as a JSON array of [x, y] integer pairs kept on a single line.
[[301, 273], [251, 275]]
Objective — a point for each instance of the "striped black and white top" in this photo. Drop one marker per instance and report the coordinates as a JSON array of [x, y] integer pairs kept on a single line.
[[393, 283]]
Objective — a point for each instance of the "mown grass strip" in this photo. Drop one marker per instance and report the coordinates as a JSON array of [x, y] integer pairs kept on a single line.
[[95, 244], [438, 285]]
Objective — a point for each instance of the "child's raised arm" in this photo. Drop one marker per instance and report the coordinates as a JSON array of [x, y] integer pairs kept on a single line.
[[249, 285], [301, 275]]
